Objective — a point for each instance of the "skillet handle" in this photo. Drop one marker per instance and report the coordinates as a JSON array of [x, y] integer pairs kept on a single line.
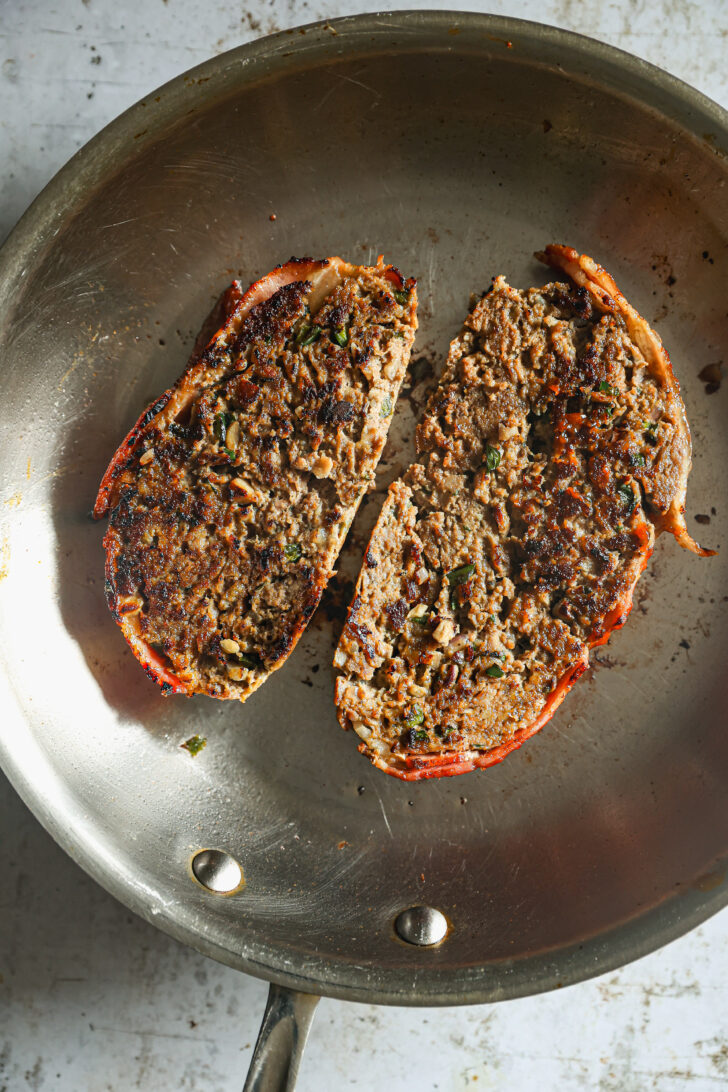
[[281, 1039]]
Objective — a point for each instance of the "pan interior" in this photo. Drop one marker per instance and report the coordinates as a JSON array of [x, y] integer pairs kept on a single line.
[[457, 157]]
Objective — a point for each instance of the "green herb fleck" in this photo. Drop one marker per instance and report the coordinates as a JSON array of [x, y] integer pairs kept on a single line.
[[455, 578], [421, 736], [605, 388], [307, 335], [420, 620], [651, 426], [458, 576], [230, 454], [627, 495], [415, 717], [251, 660], [340, 335], [494, 671], [639, 459], [492, 457], [386, 409], [220, 425], [194, 744], [293, 552], [400, 296]]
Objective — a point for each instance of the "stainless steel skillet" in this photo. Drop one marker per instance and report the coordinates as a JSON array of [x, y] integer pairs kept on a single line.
[[456, 145]]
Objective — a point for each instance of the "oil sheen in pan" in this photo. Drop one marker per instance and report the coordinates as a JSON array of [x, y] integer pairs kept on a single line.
[[572, 857]]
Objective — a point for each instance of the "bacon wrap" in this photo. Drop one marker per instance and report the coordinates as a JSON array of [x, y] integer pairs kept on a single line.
[[219, 330], [667, 513]]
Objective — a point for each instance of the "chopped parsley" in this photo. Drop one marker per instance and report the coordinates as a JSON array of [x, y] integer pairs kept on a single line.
[[386, 409], [494, 671], [340, 335], [455, 578], [414, 717], [492, 458], [639, 459], [251, 660], [293, 552], [421, 736], [627, 495], [307, 335], [605, 388], [401, 297], [194, 744], [459, 576], [220, 425]]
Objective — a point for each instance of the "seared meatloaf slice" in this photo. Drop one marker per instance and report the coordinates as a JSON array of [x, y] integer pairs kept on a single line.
[[553, 451], [231, 496]]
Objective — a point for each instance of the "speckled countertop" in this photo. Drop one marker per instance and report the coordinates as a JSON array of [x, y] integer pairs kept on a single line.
[[92, 998]]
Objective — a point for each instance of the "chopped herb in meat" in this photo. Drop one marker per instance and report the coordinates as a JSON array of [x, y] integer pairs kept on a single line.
[[220, 425], [414, 717], [628, 496], [250, 660], [460, 575], [307, 335], [492, 457]]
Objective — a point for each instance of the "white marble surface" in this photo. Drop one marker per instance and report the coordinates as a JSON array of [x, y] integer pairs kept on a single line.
[[92, 998]]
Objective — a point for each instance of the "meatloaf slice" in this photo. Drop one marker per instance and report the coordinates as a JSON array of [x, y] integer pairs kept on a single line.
[[231, 496], [553, 451]]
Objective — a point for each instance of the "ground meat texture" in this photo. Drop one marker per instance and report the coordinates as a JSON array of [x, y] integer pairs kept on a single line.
[[553, 450], [230, 499]]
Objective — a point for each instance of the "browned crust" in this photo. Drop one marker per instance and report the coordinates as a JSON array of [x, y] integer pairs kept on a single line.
[[231, 309], [585, 272], [206, 366]]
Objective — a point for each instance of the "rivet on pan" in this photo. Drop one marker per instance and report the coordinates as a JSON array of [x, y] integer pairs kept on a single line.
[[217, 871], [421, 925]]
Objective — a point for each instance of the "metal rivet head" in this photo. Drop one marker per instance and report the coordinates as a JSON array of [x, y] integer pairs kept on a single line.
[[422, 925], [217, 871]]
